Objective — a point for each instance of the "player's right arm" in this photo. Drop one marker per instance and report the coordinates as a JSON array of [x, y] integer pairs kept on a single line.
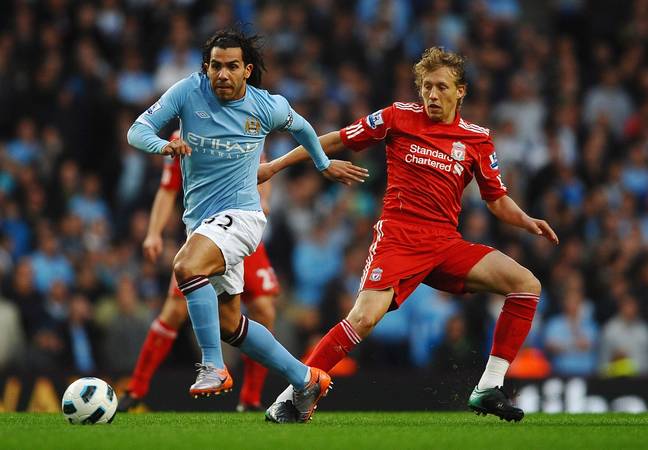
[[162, 207], [163, 204], [331, 143], [143, 134], [361, 134]]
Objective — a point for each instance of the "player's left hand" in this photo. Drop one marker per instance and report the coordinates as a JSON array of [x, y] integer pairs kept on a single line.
[[345, 172], [541, 228]]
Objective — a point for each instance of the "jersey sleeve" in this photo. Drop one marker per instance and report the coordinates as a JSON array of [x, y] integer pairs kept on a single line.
[[143, 133], [281, 114], [487, 173], [368, 130]]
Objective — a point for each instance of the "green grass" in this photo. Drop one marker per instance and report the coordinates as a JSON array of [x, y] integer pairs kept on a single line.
[[360, 430]]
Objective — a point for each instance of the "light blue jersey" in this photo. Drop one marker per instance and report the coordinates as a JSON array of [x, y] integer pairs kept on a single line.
[[226, 139]]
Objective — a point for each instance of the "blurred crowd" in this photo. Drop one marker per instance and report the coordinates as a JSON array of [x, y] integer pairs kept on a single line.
[[563, 85]]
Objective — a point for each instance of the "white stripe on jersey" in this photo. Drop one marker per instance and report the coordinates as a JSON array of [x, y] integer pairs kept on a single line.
[[409, 107], [355, 132], [372, 252], [353, 127], [474, 128]]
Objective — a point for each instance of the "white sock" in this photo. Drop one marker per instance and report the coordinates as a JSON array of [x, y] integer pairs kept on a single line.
[[286, 395], [494, 372]]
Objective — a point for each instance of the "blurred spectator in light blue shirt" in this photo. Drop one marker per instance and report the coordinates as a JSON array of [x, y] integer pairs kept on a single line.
[[89, 205], [134, 85], [49, 264], [571, 337], [25, 148], [316, 260]]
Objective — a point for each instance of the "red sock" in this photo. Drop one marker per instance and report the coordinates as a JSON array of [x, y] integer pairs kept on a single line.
[[513, 324], [333, 347], [155, 349], [254, 375]]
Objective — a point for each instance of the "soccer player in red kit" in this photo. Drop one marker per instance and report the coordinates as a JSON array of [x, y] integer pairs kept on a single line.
[[432, 155], [260, 289]]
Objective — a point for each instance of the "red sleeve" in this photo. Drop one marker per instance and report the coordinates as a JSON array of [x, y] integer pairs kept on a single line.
[[487, 173], [171, 175], [368, 130]]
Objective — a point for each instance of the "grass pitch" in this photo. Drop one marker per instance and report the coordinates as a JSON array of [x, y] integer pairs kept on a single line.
[[359, 430]]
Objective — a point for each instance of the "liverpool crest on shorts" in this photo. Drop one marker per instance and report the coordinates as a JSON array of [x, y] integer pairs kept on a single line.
[[458, 151], [376, 274]]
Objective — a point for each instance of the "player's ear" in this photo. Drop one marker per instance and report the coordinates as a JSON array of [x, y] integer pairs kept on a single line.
[[461, 91], [248, 71]]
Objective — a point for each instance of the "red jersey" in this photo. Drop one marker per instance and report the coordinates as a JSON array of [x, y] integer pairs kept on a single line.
[[171, 174], [429, 164]]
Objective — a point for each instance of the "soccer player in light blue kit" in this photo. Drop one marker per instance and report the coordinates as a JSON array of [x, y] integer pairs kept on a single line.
[[224, 120]]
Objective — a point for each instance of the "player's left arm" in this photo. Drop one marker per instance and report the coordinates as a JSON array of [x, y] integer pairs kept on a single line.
[[265, 191], [495, 194], [506, 210], [285, 118]]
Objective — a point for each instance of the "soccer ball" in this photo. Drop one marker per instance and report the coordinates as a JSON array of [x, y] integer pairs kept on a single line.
[[89, 400]]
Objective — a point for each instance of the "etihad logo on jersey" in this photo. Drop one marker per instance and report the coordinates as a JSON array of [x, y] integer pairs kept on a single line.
[[375, 119], [252, 126], [435, 158], [222, 148]]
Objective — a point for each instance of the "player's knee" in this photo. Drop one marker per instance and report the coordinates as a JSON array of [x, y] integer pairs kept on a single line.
[[183, 269], [528, 283], [362, 322]]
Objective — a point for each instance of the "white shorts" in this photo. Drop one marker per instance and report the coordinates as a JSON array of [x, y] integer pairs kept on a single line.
[[237, 233]]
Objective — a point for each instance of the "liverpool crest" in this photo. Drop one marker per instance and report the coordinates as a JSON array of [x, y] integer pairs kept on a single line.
[[458, 151]]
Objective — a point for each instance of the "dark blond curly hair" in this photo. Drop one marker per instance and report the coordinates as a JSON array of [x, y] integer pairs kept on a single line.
[[436, 57]]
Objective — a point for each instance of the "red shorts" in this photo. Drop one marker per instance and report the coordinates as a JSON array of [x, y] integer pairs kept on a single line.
[[402, 256], [258, 277]]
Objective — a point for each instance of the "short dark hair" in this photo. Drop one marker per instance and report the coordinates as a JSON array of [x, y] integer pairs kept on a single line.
[[250, 47]]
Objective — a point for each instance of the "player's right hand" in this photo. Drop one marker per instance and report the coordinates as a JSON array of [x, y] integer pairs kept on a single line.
[[345, 172], [265, 172], [152, 247], [177, 147]]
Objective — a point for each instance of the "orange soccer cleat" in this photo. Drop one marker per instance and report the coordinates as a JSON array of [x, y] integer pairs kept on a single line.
[[305, 400], [211, 380]]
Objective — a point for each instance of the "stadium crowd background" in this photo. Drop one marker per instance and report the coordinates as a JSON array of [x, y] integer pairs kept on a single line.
[[562, 84]]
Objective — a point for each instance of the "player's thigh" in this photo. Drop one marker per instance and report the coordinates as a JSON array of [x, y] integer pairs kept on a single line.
[[229, 311], [500, 274], [369, 308], [198, 256], [262, 309]]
